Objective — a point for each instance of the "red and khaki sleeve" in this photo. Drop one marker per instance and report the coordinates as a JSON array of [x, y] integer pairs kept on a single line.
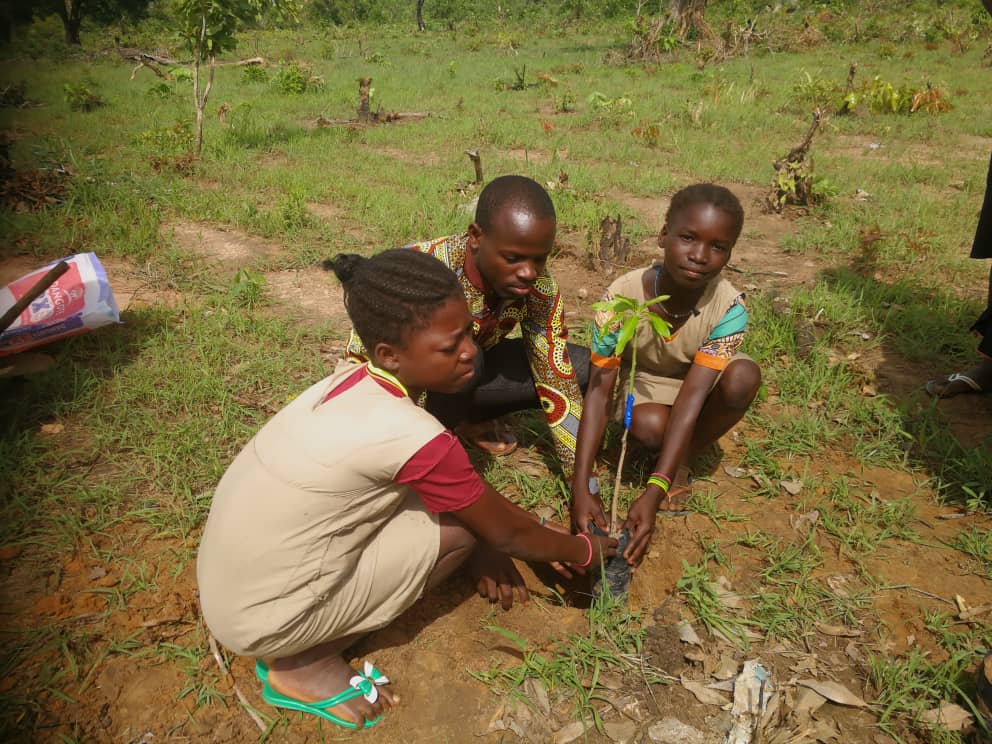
[[442, 475]]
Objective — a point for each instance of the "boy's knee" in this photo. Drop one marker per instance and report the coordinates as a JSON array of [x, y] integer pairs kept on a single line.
[[739, 383]]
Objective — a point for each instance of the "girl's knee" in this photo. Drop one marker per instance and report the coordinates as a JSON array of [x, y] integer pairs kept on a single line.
[[739, 383], [648, 426]]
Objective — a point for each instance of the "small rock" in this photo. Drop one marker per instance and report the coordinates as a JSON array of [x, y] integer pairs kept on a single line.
[[621, 732], [583, 293], [635, 710], [569, 732], [98, 573], [673, 731]]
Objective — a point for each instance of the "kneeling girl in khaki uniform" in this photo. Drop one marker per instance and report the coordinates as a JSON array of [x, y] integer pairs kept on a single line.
[[353, 500]]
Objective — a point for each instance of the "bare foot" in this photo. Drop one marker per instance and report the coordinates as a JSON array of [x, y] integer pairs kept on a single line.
[[324, 678], [488, 436]]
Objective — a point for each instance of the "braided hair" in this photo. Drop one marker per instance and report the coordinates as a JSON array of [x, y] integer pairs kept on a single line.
[[392, 293], [512, 192], [708, 193]]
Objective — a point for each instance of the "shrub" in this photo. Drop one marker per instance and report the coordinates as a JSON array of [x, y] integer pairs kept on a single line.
[[254, 74], [82, 96], [297, 78]]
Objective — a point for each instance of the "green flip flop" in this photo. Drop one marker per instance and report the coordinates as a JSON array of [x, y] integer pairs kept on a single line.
[[364, 685]]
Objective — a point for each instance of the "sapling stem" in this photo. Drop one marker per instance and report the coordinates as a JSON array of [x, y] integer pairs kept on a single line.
[[630, 313]]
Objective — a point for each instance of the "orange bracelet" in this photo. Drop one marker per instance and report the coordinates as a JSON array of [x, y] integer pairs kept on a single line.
[[585, 537]]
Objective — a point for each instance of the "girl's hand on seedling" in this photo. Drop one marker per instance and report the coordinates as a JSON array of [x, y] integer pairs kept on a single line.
[[557, 566], [587, 507], [640, 522], [603, 548], [496, 577]]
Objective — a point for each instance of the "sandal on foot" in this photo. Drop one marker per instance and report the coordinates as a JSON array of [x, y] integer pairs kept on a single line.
[[941, 387], [489, 437], [678, 500], [362, 685], [678, 497]]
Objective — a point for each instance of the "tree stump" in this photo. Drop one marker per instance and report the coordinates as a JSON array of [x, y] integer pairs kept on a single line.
[[364, 87]]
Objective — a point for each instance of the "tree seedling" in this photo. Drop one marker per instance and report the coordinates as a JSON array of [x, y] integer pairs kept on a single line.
[[630, 312]]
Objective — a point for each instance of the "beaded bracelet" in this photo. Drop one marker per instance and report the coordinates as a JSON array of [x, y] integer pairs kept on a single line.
[[589, 543], [661, 480]]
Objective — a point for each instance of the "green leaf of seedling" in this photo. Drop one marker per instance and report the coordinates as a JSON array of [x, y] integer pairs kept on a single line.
[[660, 326], [618, 304], [627, 332], [656, 300]]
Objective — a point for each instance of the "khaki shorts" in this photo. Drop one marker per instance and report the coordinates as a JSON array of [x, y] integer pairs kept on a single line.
[[649, 388], [390, 576]]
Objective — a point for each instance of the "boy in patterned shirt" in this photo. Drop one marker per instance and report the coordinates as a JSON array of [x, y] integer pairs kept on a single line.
[[501, 263]]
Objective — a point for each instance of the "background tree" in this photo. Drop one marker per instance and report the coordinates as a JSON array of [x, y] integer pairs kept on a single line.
[[687, 17], [210, 28], [72, 13], [420, 16]]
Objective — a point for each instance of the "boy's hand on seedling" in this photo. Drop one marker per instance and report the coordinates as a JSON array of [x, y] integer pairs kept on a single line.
[[496, 577], [586, 507], [640, 522]]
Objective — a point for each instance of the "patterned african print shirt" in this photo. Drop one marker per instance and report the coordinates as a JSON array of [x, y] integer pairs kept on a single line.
[[541, 318]]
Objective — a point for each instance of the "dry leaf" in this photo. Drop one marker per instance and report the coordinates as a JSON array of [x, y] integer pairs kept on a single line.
[[731, 600], [703, 694], [807, 522], [792, 486], [854, 653], [838, 631], [726, 669], [949, 715], [868, 390], [834, 692], [52, 428], [735, 472], [687, 634], [808, 701], [826, 731], [838, 585]]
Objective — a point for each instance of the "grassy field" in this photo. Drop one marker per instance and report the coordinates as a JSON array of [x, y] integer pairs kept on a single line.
[[107, 461]]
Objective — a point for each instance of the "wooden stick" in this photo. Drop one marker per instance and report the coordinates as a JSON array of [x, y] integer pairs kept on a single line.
[[32, 294], [237, 691], [477, 162]]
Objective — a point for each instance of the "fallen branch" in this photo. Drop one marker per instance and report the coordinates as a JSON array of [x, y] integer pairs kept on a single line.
[[139, 56], [244, 62], [151, 66], [237, 691]]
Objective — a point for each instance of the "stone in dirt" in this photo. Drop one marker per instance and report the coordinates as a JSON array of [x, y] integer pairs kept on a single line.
[[621, 732], [569, 732], [674, 731]]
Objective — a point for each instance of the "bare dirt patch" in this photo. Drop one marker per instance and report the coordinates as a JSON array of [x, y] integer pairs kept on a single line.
[[405, 156], [311, 294], [225, 247], [337, 216]]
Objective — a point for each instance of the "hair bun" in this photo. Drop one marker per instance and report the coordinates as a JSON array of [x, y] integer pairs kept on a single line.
[[344, 266]]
